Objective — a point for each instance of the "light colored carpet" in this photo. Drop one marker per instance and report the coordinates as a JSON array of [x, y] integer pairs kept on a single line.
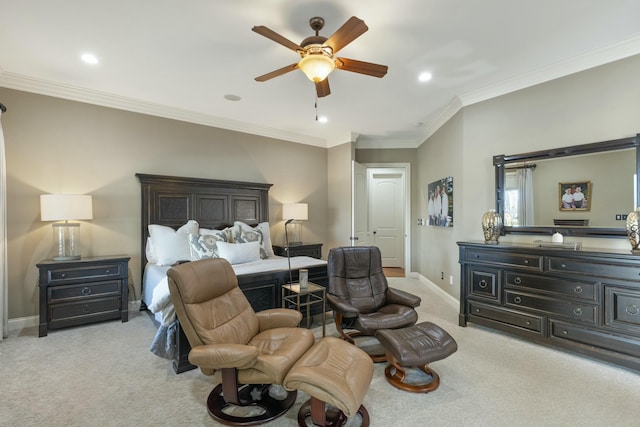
[[104, 375]]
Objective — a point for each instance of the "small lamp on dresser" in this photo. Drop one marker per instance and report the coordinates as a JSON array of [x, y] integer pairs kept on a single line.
[[292, 213], [66, 235]]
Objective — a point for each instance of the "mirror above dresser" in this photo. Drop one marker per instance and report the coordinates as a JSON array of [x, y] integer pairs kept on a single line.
[[582, 190]]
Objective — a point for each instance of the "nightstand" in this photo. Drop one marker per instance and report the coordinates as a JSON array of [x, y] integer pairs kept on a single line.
[[83, 291], [313, 250]]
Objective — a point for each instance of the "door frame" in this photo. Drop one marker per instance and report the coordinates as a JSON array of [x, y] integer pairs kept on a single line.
[[407, 205]]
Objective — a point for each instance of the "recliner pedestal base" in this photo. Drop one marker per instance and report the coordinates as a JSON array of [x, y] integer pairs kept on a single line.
[[273, 408]]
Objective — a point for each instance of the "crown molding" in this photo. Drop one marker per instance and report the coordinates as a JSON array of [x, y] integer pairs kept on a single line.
[[443, 117], [75, 93], [592, 59]]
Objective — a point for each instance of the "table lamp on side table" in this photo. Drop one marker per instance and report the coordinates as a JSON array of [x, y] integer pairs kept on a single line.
[[66, 235]]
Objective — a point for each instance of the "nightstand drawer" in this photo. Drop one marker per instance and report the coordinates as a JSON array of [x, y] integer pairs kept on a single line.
[[85, 273], [76, 313], [88, 290]]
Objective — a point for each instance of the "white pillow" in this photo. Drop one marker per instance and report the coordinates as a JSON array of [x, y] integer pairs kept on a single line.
[[263, 227], [169, 245], [149, 252], [239, 253]]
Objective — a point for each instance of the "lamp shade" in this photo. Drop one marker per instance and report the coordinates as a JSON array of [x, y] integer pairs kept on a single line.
[[297, 211], [316, 67], [61, 207]]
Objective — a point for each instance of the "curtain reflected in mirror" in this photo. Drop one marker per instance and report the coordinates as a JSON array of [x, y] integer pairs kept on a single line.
[[519, 206]]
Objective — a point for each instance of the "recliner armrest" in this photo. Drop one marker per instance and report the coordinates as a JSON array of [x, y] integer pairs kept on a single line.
[[341, 306], [397, 296], [219, 356], [278, 318]]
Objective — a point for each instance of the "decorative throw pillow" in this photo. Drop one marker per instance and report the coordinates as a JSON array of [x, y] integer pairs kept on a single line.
[[266, 235], [206, 245], [169, 245], [239, 253], [248, 234]]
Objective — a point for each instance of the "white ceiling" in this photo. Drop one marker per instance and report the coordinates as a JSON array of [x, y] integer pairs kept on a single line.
[[179, 58]]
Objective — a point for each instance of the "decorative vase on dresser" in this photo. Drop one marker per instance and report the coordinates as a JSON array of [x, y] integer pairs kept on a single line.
[[585, 301], [632, 230], [491, 226]]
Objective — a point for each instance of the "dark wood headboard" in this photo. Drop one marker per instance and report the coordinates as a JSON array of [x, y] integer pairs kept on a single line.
[[172, 201]]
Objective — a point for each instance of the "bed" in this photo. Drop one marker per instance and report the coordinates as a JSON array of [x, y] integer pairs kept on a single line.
[[174, 203]]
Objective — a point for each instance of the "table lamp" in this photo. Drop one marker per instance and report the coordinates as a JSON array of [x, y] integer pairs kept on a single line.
[[292, 213], [66, 235]]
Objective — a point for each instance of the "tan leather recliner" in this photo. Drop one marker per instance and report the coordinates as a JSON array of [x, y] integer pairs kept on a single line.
[[361, 297], [232, 342]]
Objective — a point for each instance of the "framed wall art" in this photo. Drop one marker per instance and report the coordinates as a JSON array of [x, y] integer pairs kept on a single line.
[[575, 196], [440, 202]]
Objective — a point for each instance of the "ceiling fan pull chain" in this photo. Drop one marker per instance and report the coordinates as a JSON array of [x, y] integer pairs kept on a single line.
[[316, 105]]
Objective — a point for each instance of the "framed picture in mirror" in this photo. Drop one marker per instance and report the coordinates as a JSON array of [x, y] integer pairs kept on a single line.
[[575, 196]]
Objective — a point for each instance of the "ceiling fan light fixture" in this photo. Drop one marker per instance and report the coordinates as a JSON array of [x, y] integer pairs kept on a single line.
[[317, 66]]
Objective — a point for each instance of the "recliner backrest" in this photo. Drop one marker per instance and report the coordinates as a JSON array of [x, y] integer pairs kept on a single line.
[[355, 275], [209, 304]]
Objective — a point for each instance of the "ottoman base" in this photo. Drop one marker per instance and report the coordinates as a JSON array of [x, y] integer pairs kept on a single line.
[[322, 415], [396, 376]]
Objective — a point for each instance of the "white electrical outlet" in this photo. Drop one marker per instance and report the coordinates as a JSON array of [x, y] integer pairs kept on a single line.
[[451, 280]]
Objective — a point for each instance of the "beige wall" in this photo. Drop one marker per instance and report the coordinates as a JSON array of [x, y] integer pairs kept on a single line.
[[594, 105], [59, 146]]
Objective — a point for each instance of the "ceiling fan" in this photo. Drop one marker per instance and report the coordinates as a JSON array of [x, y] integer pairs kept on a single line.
[[317, 53]]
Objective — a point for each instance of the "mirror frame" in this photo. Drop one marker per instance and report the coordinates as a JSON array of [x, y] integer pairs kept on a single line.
[[501, 160]]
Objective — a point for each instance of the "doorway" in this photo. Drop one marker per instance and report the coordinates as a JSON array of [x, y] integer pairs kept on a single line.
[[381, 211]]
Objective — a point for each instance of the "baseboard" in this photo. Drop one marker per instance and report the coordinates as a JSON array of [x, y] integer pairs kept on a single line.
[[19, 323], [451, 300]]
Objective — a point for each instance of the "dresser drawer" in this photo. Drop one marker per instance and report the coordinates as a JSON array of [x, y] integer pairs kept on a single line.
[[594, 338], [57, 275], [105, 308], [616, 271], [622, 308], [583, 312], [533, 262], [575, 289], [484, 283], [523, 320], [87, 290]]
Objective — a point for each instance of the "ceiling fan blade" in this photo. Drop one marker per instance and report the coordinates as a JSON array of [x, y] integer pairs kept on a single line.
[[322, 88], [276, 73], [272, 35], [368, 68], [351, 30]]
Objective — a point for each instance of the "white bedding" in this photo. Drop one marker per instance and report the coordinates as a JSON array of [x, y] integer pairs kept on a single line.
[[156, 288]]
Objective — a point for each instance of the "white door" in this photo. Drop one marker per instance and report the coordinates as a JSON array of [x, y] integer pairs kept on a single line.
[[386, 190], [360, 235]]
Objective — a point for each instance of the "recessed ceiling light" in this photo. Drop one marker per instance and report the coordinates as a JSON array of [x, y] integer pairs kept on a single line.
[[89, 58], [231, 97], [322, 119], [425, 77]]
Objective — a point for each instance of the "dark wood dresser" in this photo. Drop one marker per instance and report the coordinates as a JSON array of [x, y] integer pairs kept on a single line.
[[586, 301], [84, 291]]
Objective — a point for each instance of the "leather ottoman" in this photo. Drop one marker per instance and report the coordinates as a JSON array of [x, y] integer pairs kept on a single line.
[[415, 346]]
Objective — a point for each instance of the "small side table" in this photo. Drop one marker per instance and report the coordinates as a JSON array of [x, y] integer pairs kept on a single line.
[[299, 298]]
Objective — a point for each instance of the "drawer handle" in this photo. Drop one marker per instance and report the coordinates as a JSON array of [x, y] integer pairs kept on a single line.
[[565, 332], [528, 322], [86, 291], [633, 310], [482, 284], [563, 265], [517, 280], [526, 261], [63, 275], [477, 256], [107, 271], [517, 300], [86, 309], [577, 289], [577, 311], [477, 310]]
